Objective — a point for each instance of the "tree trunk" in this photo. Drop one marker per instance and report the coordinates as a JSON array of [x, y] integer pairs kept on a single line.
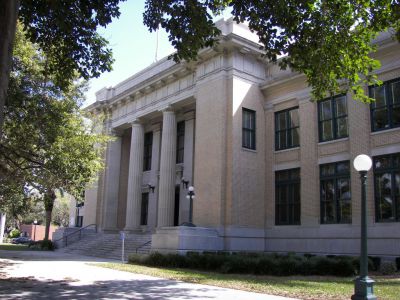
[[48, 205], [8, 25]]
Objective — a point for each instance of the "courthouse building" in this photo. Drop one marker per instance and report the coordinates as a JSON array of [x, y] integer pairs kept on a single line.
[[272, 170]]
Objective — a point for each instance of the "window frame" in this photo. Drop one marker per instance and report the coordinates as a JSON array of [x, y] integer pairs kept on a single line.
[[147, 150], [249, 130], [180, 137], [144, 209], [289, 185], [288, 130], [389, 106], [380, 171], [335, 177], [335, 136]]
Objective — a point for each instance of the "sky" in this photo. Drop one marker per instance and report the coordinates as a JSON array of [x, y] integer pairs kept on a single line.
[[133, 46]]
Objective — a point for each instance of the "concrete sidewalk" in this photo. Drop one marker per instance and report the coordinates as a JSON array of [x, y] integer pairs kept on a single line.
[[57, 275]]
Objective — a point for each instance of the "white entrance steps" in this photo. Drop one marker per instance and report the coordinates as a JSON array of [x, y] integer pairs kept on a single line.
[[109, 245]]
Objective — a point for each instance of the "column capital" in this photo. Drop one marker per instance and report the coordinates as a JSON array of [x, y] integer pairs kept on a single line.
[[167, 109], [189, 115], [136, 122], [114, 132], [156, 126]]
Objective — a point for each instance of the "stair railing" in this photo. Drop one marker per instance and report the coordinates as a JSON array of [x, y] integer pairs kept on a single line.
[[65, 237], [142, 245]]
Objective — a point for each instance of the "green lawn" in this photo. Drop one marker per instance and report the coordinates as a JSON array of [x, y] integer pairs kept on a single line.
[[18, 247], [304, 287]]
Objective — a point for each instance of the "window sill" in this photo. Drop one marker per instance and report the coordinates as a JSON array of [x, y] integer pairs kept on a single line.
[[249, 150], [384, 131], [333, 141], [287, 149]]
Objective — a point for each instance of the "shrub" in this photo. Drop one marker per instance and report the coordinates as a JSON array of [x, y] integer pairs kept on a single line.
[[42, 245], [376, 262], [398, 263], [14, 233], [260, 264], [388, 268]]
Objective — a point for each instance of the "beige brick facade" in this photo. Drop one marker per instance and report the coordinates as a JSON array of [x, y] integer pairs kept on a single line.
[[235, 186]]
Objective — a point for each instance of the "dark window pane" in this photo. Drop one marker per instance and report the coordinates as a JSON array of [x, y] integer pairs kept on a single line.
[[294, 118], [380, 118], [287, 197], [382, 162], [396, 115], [282, 140], [281, 121], [328, 169], [295, 137], [395, 92], [341, 127], [345, 211], [144, 209], [378, 93], [327, 130], [343, 167], [148, 148], [326, 110], [249, 129], [383, 192], [341, 106]]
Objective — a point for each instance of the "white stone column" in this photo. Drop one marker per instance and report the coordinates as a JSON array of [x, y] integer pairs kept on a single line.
[[166, 194], [134, 195], [111, 184]]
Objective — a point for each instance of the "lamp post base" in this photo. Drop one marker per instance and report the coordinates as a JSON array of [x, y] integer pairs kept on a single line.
[[363, 289]]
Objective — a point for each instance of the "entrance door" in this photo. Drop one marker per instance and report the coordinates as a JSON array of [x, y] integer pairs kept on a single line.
[[176, 206]]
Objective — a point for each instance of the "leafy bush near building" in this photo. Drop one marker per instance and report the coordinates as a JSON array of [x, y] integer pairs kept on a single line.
[[14, 233], [388, 268], [42, 245], [258, 264]]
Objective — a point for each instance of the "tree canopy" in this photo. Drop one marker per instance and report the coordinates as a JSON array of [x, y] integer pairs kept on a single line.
[[327, 40], [65, 31], [47, 143]]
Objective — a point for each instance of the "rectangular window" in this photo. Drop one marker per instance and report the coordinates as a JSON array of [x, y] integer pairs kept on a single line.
[[287, 197], [248, 129], [287, 129], [387, 187], [144, 209], [335, 193], [148, 148], [385, 111], [332, 118], [180, 142]]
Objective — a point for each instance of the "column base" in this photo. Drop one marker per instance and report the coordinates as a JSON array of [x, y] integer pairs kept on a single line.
[[182, 239], [363, 289]]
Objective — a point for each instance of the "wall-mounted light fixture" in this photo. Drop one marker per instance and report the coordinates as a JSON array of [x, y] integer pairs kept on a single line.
[[185, 183], [151, 187]]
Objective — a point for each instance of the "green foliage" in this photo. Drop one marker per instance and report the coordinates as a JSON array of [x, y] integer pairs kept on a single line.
[[66, 32], [14, 233], [328, 41], [47, 143], [258, 264], [46, 245], [388, 268]]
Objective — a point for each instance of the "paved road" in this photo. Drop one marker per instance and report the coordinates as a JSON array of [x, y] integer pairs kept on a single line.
[[56, 275]]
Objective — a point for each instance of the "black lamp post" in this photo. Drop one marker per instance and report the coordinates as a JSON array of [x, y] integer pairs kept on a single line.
[[363, 285], [34, 231], [190, 196]]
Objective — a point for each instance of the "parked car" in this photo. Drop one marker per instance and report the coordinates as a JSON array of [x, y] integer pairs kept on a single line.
[[21, 240]]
